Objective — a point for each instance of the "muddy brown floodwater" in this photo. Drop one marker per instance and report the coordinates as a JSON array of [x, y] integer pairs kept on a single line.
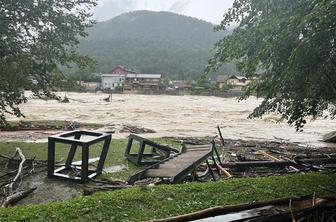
[[180, 116]]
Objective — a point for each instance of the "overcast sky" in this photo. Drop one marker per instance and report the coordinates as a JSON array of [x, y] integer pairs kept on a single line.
[[208, 10]]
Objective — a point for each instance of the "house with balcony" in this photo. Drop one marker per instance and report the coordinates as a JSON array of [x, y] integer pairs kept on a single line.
[[141, 82], [112, 81]]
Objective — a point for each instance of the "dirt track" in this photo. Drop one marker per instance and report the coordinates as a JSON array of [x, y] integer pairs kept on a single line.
[[171, 116]]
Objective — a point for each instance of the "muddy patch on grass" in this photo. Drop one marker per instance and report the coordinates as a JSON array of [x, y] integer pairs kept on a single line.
[[48, 190]]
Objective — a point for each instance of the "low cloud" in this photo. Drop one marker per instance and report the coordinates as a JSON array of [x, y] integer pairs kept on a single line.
[[210, 10], [179, 6]]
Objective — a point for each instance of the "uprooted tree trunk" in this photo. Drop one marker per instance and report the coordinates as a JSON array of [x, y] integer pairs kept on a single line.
[[9, 188], [14, 198]]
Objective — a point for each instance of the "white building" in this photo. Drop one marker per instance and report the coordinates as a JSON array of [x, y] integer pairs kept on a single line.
[[112, 81]]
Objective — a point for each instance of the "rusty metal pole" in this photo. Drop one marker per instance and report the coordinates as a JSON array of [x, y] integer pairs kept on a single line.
[[220, 135]]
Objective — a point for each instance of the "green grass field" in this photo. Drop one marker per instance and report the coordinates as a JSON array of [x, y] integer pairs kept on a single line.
[[115, 155], [143, 203]]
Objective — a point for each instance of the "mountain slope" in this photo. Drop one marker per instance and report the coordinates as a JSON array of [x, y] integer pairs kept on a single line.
[[152, 42]]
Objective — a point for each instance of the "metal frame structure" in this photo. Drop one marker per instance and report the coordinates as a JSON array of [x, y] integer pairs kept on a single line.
[[74, 139], [142, 158]]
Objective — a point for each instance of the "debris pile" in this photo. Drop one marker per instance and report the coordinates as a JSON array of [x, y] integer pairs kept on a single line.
[[14, 169], [240, 158], [116, 128], [104, 185], [256, 158], [283, 209], [65, 100]]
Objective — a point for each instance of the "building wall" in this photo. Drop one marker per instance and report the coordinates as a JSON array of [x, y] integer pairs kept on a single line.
[[233, 81], [91, 86], [142, 83], [221, 85], [236, 84], [112, 82]]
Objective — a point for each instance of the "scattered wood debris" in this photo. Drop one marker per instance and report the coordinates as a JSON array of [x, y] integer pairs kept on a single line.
[[240, 158], [136, 129], [65, 100], [104, 185], [16, 197], [12, 179], [108, 99], [283, 209], [115, 128], [269, 156], [148, 181]]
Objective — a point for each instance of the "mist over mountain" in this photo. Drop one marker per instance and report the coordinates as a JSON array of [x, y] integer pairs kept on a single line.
[[153, 42]]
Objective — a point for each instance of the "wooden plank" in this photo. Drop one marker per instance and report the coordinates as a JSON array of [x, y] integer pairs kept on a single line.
[[183, 159], [269, 156], [161, 173], [197, 147], [223, 170], [182, 174], [176, 168]]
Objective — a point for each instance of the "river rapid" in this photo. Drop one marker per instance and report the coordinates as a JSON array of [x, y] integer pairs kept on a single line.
[[177, 116]]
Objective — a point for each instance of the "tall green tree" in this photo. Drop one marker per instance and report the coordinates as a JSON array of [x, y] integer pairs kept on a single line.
[[36, 37], [291, 44]]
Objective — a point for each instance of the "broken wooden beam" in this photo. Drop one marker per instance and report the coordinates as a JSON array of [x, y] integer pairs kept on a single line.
[[316, 160], [223, 170], [280, 163], [8, 187], [219, 210], [14, 198], [269, 156], [301, 214], [244, 164]]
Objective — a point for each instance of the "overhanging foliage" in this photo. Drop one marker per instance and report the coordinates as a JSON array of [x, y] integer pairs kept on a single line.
[[35, 38], [291, 44]]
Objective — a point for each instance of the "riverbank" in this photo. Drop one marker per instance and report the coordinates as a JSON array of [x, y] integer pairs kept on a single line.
[[118, 168]]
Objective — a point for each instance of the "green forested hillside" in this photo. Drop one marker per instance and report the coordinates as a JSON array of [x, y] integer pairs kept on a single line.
[[153, 42]]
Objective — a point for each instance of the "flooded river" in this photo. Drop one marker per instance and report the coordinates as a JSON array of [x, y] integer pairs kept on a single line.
[[181, 116]]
